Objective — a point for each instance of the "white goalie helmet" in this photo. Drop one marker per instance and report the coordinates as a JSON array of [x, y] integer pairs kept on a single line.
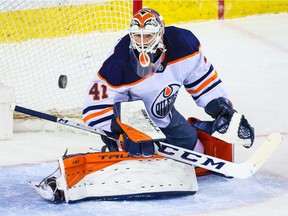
[[146, 34]]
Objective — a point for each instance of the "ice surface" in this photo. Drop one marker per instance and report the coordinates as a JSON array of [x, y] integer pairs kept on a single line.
[[251, 56]]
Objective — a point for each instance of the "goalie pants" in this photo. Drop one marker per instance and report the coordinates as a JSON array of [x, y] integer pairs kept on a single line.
[[179, 131]]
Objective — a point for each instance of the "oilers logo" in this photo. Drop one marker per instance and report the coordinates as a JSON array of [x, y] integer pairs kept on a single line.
[[164, 102]]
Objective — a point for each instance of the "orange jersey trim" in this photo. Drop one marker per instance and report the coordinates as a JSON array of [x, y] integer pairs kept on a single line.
[[93, 115], [185, 57], [129, 84], [204, 84]]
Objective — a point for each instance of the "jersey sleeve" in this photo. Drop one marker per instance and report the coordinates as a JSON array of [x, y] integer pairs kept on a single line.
[[101, 94], [203, 82], [98, 104]]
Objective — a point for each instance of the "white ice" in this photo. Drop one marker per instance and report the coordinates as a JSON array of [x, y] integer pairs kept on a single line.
[[251, 56]]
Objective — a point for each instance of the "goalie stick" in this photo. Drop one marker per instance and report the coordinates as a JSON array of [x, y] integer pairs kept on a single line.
[[63, 121], [241, 170], [155, 133]]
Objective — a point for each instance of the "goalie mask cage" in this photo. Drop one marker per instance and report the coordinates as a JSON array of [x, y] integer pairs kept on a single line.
[[42, 40]]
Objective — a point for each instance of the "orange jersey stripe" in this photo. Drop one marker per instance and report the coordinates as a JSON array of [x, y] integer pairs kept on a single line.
[[204, 84], [88, 117], [129, 84], [185, 57]]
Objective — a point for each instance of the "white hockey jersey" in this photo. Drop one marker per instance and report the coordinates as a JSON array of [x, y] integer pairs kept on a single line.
[[182, 64]]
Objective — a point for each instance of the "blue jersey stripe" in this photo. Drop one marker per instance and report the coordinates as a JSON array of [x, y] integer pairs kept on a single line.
[[207, 90], [93, 123], [191, 85], [96, 107]]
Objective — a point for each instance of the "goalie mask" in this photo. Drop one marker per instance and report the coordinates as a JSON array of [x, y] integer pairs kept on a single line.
[[146, 34]]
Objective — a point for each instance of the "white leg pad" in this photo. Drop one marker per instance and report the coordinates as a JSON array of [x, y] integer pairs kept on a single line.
[[133, 178]]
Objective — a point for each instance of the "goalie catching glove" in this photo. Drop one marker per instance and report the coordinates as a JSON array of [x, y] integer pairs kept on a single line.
[[229, 125]]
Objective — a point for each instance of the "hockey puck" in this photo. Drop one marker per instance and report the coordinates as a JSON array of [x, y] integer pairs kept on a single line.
[[62, 81]]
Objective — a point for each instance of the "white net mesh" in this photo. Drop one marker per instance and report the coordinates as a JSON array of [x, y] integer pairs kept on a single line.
[[41, 40]]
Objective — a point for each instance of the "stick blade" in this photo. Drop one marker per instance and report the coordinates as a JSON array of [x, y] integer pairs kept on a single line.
[[238, 170], [262, 154]]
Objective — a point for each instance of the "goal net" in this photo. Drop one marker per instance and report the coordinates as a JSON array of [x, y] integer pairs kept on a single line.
[[42, 40]]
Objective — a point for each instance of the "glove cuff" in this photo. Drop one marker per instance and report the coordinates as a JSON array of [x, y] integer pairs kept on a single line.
[[218, 107]]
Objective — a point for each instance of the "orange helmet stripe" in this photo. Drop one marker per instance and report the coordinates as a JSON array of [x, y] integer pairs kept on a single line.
[[142, 18]]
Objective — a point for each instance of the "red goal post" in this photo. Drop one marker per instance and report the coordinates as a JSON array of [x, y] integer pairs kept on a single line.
[[221, 9], [137, 5]]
